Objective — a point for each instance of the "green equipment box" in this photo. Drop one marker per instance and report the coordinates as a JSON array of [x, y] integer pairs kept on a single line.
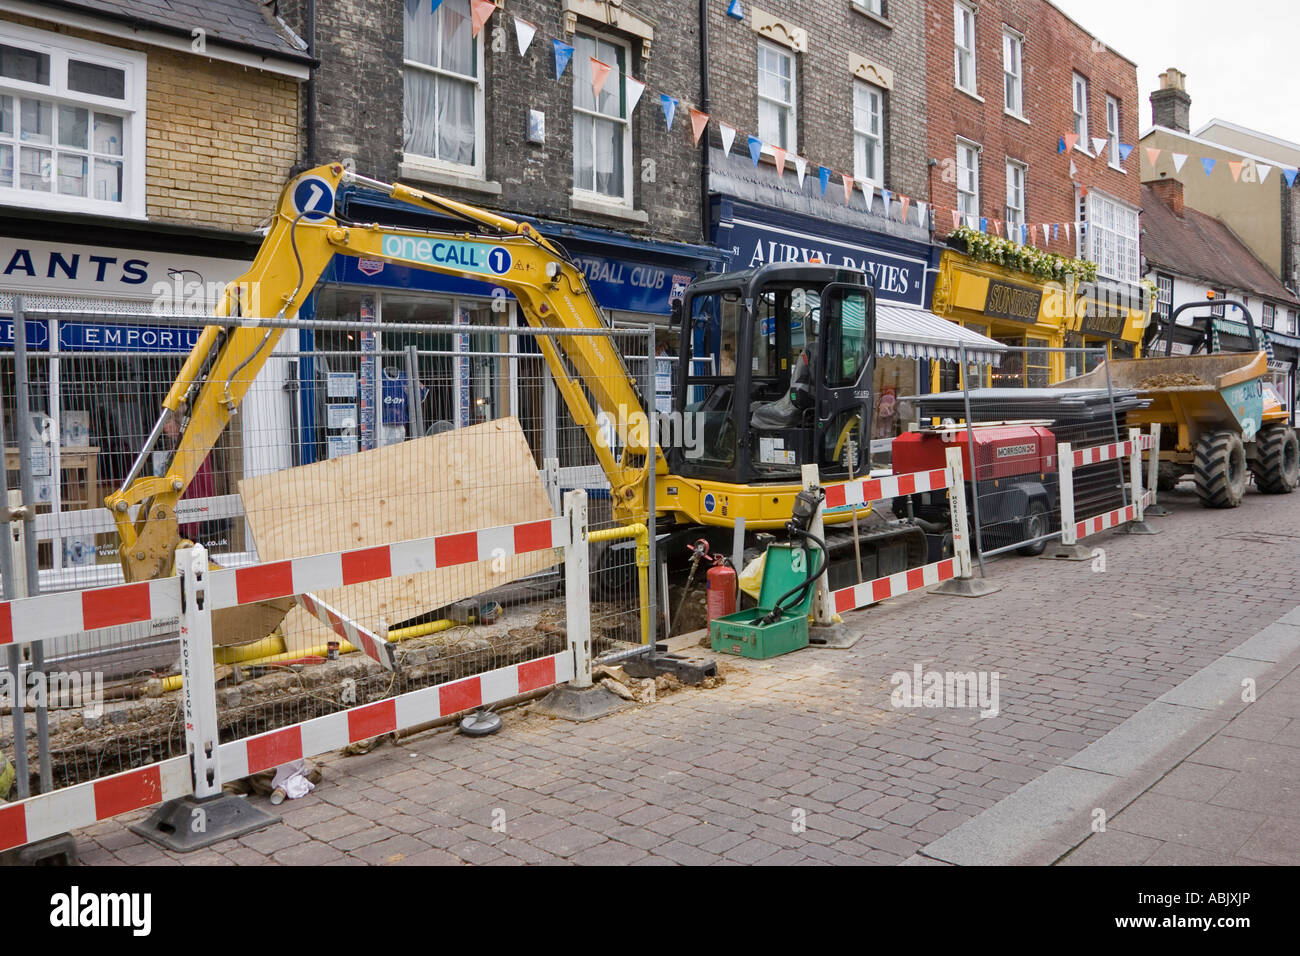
[[743, 634]]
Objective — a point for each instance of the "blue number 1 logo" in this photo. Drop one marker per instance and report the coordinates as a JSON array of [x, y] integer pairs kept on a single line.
[[499, 260], [313, 199]]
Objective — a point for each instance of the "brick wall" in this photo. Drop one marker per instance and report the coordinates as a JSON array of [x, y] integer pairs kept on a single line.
[[220, 139], [360, 109], [825, 84], [1054, 49]]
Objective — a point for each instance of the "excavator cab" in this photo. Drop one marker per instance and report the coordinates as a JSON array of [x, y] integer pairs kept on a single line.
[[774, 372]]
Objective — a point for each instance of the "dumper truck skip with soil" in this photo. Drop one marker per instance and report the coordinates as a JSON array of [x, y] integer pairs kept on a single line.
[[1220, 417]]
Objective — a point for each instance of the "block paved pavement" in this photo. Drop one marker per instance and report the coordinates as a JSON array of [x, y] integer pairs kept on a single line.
[[803, 759]]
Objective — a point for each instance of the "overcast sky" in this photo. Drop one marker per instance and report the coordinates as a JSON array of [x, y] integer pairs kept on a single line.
[[1240, 57]]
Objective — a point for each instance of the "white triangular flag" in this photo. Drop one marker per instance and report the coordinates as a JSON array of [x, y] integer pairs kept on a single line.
[[634, 90], [921, 209], [524, 33], [1098, 145], [1263, 172], [1179, 159], [800, 167], [1074, 170], [728, 137], [869, 191]]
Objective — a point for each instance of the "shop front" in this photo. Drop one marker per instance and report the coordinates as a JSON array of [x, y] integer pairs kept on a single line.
[[1034, 317], [97, 376]]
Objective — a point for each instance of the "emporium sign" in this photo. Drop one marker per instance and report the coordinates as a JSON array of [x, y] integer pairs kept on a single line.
[[101, 337]]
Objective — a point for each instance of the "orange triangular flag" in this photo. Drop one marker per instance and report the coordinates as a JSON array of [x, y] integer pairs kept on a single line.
[[1236, 170], [906, 202], [779, 155], [956, 219], [1033, 235], [599, 74], [1071, 139], [699, 123], [1153, 154], [848, 188], [483, 9], [1083, 191]]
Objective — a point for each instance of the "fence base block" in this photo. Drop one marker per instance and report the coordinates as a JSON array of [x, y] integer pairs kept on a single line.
[[836, 637], [1155, 511], [688, 670], [58, 850], [580, 704], [188, 823], [1066, 552], [967, 587], [1139, 527]]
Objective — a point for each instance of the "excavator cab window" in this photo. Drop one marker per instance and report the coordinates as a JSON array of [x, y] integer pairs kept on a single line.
[[711, 345]]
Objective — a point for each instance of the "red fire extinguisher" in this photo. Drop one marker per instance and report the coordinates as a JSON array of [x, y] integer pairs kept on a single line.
[[721, 588]]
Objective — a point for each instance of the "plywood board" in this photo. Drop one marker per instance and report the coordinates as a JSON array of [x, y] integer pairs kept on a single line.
[[476, 477]]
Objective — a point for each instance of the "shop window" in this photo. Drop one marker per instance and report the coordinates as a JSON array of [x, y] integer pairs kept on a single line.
[[602, 132], [442, 84], [71, 124], [1026, 364], [964, 46], [777, 97], [868, 133]]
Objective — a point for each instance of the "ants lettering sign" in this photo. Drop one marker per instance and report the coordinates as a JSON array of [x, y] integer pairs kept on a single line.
[[1014, 302]]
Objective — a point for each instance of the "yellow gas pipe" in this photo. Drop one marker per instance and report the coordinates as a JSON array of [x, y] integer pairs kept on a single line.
[[642, 535]]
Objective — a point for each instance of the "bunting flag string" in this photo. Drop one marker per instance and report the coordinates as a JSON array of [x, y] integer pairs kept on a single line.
[[848, 188], [1178, 158], [1099, 145], [524, 33], [1207, 163], [728, 137], [599, 74], [634, 90], [801, 168], [669, 105], [480, 13], [824, 175], [563, 54], [778, 154], [699, 123], [755, 149]]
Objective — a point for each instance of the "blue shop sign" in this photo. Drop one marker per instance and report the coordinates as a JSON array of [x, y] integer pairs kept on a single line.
[[623, 285], [104, 337], [899, 278]]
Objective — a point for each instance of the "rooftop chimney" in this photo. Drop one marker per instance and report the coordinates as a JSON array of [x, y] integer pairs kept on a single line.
[[1170, 105], [1170, 192]]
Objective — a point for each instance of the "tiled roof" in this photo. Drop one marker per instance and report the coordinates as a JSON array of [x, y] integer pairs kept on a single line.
[[1203, 247], [242, 23]]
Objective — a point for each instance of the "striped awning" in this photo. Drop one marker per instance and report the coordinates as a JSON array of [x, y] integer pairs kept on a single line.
[[917, 333]]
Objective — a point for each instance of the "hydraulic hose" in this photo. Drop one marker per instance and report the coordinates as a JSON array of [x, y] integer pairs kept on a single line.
[[802, 588]]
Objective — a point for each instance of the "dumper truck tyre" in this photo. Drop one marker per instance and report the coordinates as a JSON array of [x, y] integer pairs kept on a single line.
[[1169, 475], [1277, 469], [1220, 469]]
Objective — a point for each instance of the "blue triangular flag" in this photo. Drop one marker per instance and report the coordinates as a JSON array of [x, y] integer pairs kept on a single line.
[[824, 175], [984, 224], [670, 108], [889, 198], [1024, 234], [1056, 229], [1124, 150], [563, 54], [1060, 145], [1290, 175], [735, 11], [1208, 164], [755, 148], [436, 5]]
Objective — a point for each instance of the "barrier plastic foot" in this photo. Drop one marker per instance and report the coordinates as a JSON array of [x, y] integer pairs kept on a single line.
[[188, 823], [58, 850], [836, 637], [967, 587], [1140, 527], [1066, 552], [688, 670], [580, 704], [1155, 511]]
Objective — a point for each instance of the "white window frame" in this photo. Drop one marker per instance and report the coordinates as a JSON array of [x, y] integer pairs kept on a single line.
[[1016, 215], [1080, 111], [973, 149], [861, 87], [1164, 295], [419, 161], [1113, 132], [1268, 316], [1013, 48], [624, 202], [60, 48], [792, 107], [963, 14], [1113, 237], [1292, 321], [874, 7]]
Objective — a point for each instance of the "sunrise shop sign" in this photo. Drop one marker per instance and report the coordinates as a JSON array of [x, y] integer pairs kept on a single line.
[[1014, 302]]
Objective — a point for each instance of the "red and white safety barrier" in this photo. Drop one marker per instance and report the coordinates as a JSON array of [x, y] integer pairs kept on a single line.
[[59, 614], [1072, 528], [865, 490], [197, 591], [913, 579]]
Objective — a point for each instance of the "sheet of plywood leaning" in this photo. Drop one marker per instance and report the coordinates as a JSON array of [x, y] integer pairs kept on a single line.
[[476, 477]]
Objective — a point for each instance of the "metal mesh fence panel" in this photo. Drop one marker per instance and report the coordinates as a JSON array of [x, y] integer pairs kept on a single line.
[[350, 434]]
